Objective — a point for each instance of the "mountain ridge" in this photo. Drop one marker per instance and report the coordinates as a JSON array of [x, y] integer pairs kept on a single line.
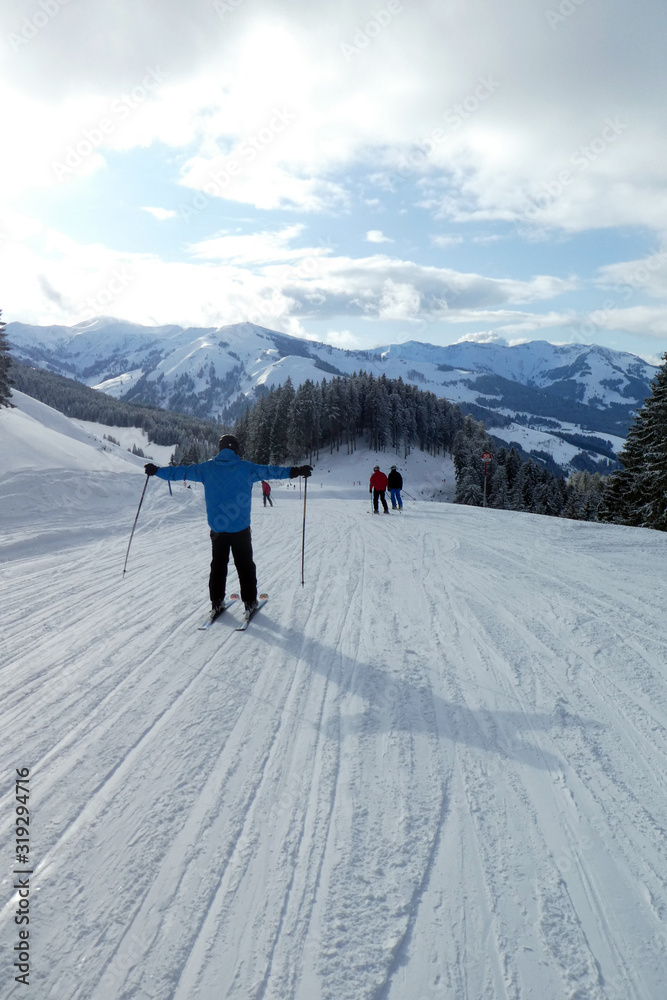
[[528, 391]]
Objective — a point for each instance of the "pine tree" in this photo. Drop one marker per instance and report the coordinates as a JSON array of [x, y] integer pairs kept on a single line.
[[521, 494], [280, 424], [554, 498], [499, 488], [468, 490], [352, 413], [512, 465], [332, 413], [379, 409], [5, 365], [259, 430], [637, 493], [303, 432], [572, 503], [396, 422], [469, 445]]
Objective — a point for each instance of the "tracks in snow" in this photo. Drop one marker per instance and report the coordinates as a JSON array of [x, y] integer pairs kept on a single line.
[[411, 778]]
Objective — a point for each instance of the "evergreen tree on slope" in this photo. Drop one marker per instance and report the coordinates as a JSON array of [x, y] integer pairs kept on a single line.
[[5, 365], [284, 395], [637, 493]]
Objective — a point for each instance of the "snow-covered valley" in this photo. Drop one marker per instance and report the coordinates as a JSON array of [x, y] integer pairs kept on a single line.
[[437, 771]]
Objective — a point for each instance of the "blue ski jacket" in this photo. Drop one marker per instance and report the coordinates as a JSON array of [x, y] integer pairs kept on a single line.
[[227, 483]]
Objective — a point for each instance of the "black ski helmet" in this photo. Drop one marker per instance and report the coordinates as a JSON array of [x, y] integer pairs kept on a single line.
[[229, 441]]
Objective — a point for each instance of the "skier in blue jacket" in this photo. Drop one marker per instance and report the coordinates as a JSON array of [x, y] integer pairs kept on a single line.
[[228, 482]]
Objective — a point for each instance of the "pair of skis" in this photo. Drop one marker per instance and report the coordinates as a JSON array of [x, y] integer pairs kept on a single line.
[[261, 601]]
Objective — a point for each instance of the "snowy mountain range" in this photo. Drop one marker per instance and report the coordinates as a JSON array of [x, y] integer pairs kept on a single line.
[[541, 395]]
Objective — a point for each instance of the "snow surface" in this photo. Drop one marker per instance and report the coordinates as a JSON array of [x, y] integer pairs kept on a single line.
[[35, 436], [438, 771], [127, 437]]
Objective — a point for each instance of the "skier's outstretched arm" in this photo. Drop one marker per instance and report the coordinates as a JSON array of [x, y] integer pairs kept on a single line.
[[172, 472]]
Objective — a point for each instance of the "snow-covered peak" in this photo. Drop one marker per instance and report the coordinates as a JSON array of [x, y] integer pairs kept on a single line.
[[206, 370]]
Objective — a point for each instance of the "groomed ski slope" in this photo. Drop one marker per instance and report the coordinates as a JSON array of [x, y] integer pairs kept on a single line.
[[438, 770]]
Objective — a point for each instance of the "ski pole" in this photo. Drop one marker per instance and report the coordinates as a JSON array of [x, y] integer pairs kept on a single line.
[[303, 535], [135, 524]]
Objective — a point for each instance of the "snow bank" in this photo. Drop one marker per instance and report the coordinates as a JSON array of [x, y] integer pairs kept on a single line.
[[35, 436]]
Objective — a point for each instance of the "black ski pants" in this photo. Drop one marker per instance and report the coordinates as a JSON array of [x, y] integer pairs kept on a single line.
[[239, 543], [379, 495]]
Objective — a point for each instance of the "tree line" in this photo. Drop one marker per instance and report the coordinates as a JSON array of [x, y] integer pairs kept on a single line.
[[289, 424], [635, 494], [517, 483], [338, 413]]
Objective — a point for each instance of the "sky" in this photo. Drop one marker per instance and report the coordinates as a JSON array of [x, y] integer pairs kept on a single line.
[[360, 173]]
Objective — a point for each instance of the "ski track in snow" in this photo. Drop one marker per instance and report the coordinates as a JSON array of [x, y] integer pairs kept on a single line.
[[436, 772]]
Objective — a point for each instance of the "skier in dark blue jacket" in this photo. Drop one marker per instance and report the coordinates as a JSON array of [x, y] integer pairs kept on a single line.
[[228, 482], [395, 484]]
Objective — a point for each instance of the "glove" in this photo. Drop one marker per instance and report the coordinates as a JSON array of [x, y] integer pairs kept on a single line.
[[300, 470], [150, 469]]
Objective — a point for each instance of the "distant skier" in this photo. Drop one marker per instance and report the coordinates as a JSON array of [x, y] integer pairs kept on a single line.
[[266, 493], [228, 483], [395, 484], [378, 485]]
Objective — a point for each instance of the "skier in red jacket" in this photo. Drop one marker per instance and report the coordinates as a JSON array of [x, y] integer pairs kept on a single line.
[[378, 485], [266, 493]]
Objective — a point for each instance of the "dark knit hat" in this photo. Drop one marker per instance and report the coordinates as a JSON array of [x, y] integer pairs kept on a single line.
[[229, 441]]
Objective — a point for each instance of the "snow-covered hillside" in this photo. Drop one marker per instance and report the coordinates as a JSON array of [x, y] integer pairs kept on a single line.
[[554, 387], [435, 771], [34, 432]]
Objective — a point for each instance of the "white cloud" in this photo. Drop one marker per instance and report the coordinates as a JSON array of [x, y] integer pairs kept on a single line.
[[479, 114], [510, 324], [482, 337], [446, 241], [256, 181], [343, 339], [377, 236], [257, 248], [645, 320], [504, 117], [649, 273], [398, 300], [264, 277], [159, 213]]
